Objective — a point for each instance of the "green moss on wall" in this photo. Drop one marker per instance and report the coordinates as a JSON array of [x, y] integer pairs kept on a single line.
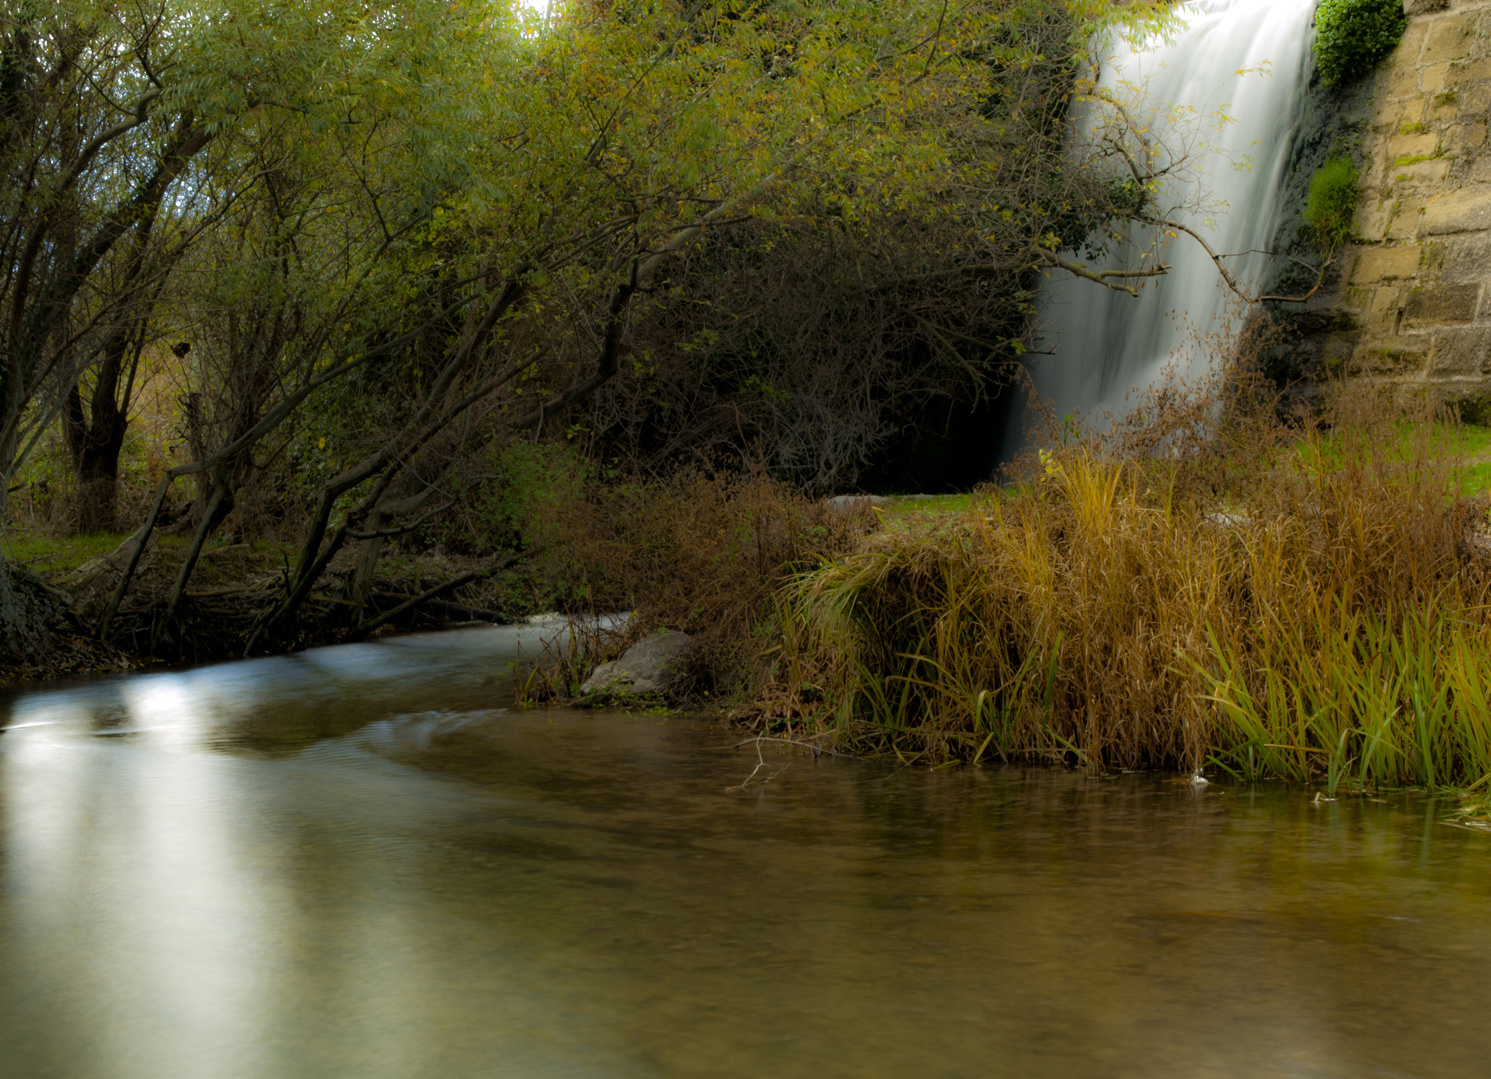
[[1332, 205]]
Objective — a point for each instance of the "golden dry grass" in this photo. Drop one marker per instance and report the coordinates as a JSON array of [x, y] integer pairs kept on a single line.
[[1301, 602]]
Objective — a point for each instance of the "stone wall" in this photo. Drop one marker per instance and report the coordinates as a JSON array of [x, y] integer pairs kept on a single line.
[[1412, 302]]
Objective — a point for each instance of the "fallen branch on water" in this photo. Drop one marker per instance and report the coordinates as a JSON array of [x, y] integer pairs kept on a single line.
[[450, 609], [817, 749], [361, 631]]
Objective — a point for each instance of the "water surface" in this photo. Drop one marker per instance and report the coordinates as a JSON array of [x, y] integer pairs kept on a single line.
[[356, 862]]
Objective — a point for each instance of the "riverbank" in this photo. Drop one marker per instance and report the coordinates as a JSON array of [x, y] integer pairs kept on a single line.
[[1305, 600], [697, 550], [66, 583]]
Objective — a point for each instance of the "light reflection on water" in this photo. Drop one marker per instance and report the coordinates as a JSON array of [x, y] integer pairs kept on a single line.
[[354, 862]]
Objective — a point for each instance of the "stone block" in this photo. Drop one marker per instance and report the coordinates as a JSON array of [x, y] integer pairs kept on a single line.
[[1465, 258], [1415, 144], [1401, 82], [1375, 264], [1389, 116], [1409, 45], [1462, 72], [1443, 107], [1404, 224], [1372, 219], [1390, 357], [1421, 174], [1460, 139], [1382, 317], [1465, 210], [1471, 397], [1337, 352], [1442, 306], [1424, 7], [1458, 352], [1354, 300], [1448, 39], [1475, 101]]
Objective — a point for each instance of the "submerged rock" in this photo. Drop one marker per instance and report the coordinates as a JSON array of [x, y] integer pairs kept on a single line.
[[649, 666]]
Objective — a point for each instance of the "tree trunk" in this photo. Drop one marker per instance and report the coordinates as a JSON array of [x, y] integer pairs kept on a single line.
[[95, 449], [219, 505], [97, 462], [361, 585], [96, 439]]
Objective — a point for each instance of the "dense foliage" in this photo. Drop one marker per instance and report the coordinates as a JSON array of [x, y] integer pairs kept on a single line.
[[309, 268], [1352, 36]]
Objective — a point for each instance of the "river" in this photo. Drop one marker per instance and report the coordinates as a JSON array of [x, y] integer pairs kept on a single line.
[[354, 862]]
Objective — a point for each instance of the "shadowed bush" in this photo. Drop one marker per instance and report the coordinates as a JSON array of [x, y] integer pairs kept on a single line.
[[701, 552]]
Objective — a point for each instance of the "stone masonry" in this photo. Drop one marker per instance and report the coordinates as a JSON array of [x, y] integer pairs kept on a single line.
[[1416, 293]]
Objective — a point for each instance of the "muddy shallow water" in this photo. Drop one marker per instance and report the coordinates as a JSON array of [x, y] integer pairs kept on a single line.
[[354, 862]]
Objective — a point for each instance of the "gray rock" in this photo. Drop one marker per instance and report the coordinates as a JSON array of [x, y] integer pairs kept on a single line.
[[649, 666], [849, 503]]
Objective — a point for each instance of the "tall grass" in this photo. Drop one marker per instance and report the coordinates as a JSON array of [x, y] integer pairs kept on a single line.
[[1304, 601]]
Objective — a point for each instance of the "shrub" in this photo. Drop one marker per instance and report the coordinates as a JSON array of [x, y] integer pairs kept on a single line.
[[1332, 204], [1351, 36], [506, 495], [697, 551]]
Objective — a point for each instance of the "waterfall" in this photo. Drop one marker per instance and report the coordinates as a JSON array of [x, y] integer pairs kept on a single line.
[[1098, 345]]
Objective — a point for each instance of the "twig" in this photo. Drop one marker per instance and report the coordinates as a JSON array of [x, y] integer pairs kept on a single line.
[[907, 764], [760, 764], [817, 749]]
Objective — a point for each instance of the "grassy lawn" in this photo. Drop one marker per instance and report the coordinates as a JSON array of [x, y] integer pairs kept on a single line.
[[50, 555], [905, 506], [1471, 443], [47, 555], [1474, 440]]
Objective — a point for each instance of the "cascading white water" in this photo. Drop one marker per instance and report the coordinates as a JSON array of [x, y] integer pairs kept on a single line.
[[1247, 59]]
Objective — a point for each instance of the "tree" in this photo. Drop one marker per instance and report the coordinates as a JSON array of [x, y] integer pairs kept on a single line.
[[643, 128], [412, 229], [814, 340]]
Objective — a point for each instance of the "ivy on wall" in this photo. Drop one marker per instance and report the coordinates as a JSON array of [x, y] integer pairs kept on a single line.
[[1352, 36]]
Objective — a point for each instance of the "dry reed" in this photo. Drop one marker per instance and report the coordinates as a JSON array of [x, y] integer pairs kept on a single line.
[[1306, 601]]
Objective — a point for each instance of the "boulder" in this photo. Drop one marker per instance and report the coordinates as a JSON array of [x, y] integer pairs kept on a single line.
[[649, 666], [850, 503]]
